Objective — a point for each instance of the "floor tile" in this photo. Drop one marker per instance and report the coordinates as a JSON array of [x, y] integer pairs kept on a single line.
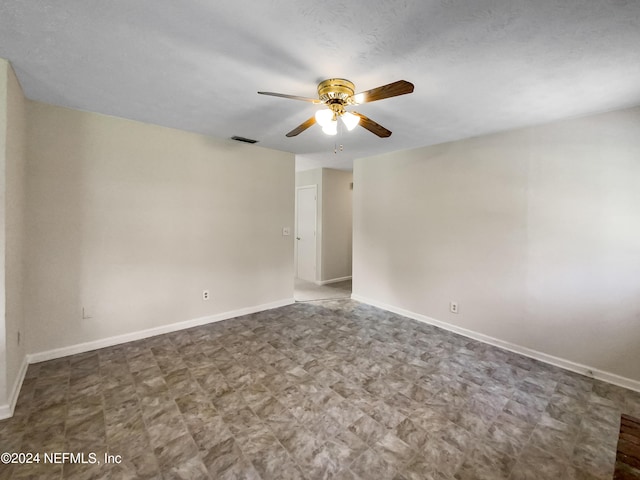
[[330, 389]]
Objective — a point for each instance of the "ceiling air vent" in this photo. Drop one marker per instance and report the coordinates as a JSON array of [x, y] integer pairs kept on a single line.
[[242, 139]]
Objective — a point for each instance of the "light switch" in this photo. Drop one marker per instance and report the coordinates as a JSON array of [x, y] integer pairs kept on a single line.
[[286, 231]]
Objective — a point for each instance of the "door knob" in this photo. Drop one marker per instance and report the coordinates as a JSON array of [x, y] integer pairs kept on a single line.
[[297, 238]]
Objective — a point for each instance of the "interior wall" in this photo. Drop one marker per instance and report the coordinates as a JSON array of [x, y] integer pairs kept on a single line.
[[4, 84], [534, 232], [336, 224], [128, 223], [15, 227]]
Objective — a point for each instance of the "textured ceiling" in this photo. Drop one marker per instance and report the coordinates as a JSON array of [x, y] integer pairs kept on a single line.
[[478, 67]]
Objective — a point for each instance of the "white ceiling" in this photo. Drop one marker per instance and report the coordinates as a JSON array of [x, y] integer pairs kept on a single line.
[[478, 67]]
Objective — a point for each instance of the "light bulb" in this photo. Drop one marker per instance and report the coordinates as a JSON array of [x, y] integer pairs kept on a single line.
[[324, 117], [350, 120], [331, 128]]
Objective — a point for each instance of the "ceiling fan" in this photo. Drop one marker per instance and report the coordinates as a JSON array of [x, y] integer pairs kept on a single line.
[[337, 94]]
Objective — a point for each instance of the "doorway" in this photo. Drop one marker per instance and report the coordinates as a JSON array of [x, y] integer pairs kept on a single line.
[[323, 234]]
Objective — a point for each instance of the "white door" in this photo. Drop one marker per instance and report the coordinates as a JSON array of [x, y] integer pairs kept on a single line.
[[306, 232]]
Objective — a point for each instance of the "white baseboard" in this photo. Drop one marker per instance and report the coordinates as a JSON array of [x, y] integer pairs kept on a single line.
[[527, 352], [332, 280], [151, 332], [7, 410]]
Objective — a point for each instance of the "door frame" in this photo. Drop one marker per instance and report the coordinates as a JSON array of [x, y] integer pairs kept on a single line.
[[315, 231]]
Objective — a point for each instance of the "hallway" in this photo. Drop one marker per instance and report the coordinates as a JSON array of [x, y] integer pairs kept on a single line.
[[305, 291]]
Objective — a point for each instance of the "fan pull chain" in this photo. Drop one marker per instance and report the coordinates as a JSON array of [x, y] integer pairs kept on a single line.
[[337, 147]]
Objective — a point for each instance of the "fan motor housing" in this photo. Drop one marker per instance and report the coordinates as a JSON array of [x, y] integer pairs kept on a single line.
[[335, 90]]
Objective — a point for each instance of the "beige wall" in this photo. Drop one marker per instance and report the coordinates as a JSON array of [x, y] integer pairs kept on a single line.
[[132, 221], [535, 232], [4, 85], [12, 191], [336, 224], [15, 227], [334, 229]]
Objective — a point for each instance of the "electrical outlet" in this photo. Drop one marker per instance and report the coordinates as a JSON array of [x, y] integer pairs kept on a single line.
[[453, 307], [286, 231], [205, 295]]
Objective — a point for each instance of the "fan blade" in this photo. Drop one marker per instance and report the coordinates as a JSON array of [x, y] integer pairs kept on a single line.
[[372, 126], [302, 127], [293, 97], [401, 87]]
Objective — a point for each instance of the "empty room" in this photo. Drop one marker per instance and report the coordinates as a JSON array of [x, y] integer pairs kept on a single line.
[[301, 240]]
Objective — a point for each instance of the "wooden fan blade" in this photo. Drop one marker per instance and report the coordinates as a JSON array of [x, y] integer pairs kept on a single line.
[[302, 127], [401, 87], [293, 97], [372, 126]]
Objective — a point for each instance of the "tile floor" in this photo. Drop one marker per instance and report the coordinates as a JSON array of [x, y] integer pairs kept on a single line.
[[318, 390]]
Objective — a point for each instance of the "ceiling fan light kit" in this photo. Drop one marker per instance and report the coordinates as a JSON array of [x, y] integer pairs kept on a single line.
[[331, 128], [350, 120], [328, 120], [337, 94], [323, 117]]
